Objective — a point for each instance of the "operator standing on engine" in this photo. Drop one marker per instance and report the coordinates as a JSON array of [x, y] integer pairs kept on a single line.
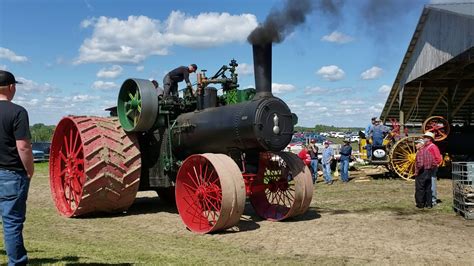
[[170, 81], [16, 169], [377, 133]]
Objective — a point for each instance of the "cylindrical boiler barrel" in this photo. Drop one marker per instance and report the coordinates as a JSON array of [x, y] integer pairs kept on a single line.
[[260, 125]]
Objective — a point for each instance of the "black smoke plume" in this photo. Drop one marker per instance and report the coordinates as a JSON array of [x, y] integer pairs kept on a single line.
[[279, 23]]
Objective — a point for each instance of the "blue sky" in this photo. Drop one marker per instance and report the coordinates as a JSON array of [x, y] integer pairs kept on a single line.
[[72, 56]]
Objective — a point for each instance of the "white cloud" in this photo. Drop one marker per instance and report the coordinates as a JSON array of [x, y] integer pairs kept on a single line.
[[208, 29], [25, 102], [138, 37], [385, 89], [351, 102], [104, 85], [376, 109], [315, 90], [331, 73], [31, 86], [111, 72], [11, 56], [140, 68], [84, 98], [245, 69], [311, 104], [337, 37], [282, 88], [372, 73]]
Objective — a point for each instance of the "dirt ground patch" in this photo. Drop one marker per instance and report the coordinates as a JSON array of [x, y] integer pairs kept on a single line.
[[370, 220]]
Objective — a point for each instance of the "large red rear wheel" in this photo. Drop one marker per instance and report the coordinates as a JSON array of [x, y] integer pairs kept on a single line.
[[94, 166], [210, 192], [283, 187]]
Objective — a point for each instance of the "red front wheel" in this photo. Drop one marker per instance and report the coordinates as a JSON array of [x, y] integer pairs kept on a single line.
[[210, 192]]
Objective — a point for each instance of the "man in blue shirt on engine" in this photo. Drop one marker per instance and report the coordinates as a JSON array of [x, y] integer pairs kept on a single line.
[[377, 133]]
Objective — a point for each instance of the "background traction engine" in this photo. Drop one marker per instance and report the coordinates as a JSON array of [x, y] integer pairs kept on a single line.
[[207, 153]]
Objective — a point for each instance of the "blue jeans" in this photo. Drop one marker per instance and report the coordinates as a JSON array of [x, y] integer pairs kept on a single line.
[[434, 196], [13, 194], [314, 169], [377, 141], [368, 147], [345, 170], [327, 172]]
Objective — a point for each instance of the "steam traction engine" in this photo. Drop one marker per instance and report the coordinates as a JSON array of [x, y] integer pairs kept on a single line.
[[207, 152]]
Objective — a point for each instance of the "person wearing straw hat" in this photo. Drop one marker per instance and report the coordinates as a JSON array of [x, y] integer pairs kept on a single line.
[[16, 169], [422, 178], [430, 147]]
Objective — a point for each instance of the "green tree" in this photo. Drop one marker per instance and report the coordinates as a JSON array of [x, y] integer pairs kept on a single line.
[[41, 132]]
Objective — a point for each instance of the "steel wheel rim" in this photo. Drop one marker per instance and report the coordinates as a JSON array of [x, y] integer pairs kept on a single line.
[[403, 157], [67, 168], [438, 125], [199, 196], [210, 193]]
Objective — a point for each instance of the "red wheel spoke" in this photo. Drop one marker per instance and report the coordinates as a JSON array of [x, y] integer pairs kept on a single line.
[[199, 181], [193, 189], [192, 179], [71, 140], [78, 151], [66, 145], [212, 204], [63, 157], [76, 138], [205, 173]]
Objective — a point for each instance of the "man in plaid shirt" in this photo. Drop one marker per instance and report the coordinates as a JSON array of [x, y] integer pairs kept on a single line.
[[428, 137], [422, 176], [428, 158]]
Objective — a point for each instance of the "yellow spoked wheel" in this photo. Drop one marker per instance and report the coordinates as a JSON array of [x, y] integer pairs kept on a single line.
[[403, 157]]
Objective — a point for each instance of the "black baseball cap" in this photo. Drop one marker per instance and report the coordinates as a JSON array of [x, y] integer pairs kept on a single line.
[[7, 78], [194, 66]]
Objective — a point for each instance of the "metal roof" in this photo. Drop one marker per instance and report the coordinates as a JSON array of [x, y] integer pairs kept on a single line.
[[436, 76]]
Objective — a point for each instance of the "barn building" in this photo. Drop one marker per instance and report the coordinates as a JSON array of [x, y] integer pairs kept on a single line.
[[436, 76]]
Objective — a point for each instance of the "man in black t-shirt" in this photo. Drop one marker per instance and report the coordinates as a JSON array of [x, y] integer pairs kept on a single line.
[[16, 169], [170, 81]]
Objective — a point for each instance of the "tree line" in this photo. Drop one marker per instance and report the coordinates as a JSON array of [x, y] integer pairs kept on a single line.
[[325, 128], [41, 133]]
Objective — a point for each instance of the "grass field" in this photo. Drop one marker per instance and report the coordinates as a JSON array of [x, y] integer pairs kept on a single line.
[[356, 223]]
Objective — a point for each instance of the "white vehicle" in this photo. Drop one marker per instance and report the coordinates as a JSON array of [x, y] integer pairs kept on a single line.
[[339, 135], [355, 139]]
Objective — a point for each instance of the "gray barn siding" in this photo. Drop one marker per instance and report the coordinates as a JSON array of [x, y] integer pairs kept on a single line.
[[445, 35]]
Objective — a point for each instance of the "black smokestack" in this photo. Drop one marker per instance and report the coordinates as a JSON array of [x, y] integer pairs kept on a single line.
[[278, 24], [262, 63]]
